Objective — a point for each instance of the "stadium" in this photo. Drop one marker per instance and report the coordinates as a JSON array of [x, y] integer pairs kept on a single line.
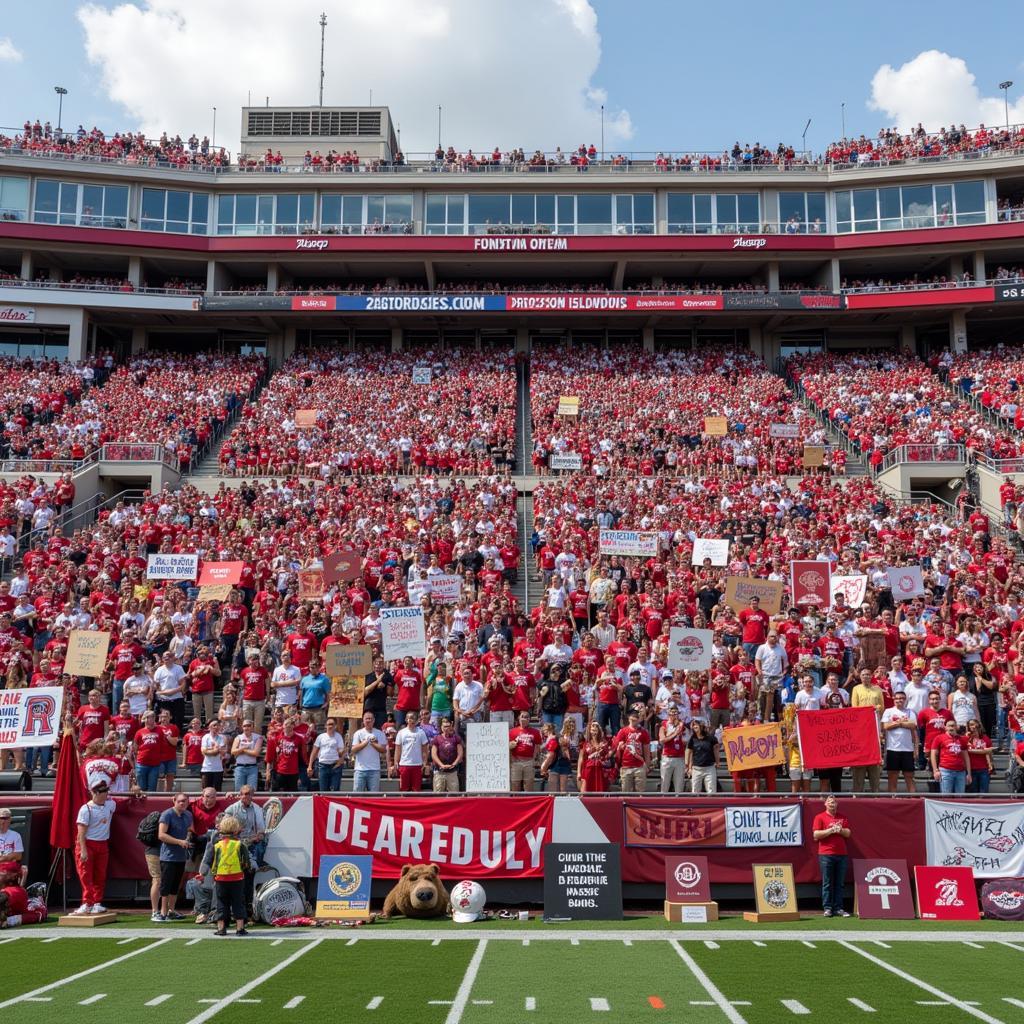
[[578, 522]]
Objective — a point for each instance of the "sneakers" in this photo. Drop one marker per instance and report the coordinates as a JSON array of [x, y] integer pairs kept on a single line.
[[200, 919], [828, 913], [82, 911], [175, 916], [98, 908], [158, 918], [843, 913]]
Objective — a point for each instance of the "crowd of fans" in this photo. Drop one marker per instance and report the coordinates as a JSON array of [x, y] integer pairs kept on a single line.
[[913, 282], [890, 145], [354, 414], [993, 376]]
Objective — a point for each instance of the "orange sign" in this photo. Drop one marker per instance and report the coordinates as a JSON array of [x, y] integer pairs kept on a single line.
[[753, 746]]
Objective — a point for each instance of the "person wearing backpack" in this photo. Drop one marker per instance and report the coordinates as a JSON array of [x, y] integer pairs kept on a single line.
[[553, 699], [149, 835]]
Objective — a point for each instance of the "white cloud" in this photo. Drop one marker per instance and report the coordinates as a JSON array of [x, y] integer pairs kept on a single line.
[[8, 51], [506, 72], [937, 89]]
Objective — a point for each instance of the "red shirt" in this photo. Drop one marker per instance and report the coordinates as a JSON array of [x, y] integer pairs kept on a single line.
[[629, 744], [283, 754], [193, 742], [232, 618], [92, 723], [755, 624], [934, 721], [169, 749], [254, 683], [951, 751], [409, 683], [527, 741], [834, 845], [202, 682], [124, 656], [149, 747], [301, 646], [979, 762]]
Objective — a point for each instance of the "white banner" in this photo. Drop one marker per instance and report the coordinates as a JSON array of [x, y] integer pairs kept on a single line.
[[986, 837], [717, 549], [636, 543], [421, 375], [17, 314], [30, 718], [763, 826], [905, 581], [445, 589], [784, 430], [172, 567], [853, 589], [690, 649], [402, 632], [487, 757], [565, 460]]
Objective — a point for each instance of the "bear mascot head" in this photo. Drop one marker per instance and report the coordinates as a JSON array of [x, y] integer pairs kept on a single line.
[[418, 893]]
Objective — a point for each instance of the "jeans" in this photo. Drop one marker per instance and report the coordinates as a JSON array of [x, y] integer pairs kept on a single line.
[[1003, 727], [366, 780], [330, 777], [40, 756], [147, 776], [952, 781], [609, 716], [833, 877], [247, 775], [555, 720], [751, 650], [980, 778], [118, 695]]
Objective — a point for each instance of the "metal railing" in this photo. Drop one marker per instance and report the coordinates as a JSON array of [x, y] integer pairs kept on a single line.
[[139, 451], [31, 465], [121, 288], [915, 454], [1004, 467]]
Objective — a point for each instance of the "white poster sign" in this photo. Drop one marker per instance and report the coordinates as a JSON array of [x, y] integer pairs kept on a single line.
[[988, 837], [487, 757], [421, 375], [30, 718], [763, 826], [565, 460], [791, 430], [690, 649], [172, 567], [402, 632], [905, 581], [634, 543], [853, 589], [446, 588], [717, 549]]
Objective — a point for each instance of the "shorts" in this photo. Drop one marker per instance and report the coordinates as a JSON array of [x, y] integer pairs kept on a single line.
[[796, 774], [899, 761], [521, 770], [169, 768], [153, 863], [171, 874]]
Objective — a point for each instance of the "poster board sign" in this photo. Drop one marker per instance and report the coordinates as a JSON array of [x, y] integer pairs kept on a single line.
[[716, 426], [346, 698], [221, 572], [906, 582], [87, 652], [675, 825], [343, 887], [872, 652], [568, 405], [172, 567], [630, 543], [786, 430], [775, 889], [838, 737], [690, 649], [31, 717], [988, 837], [402, 633], [853, 589], [565, 460], [753, 746], [1003, 899], [215, 592], [306, 417], [687, 879], [311, 584], [348, 660], [740, 589], [714, 548], [421, 375], [342, 565], [583, 882], [810, 582], [882, 891], [814, 456], [946, 893], [487, 763], [446, 588]]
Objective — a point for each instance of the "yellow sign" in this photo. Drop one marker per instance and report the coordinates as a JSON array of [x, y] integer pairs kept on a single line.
[[753, 746], [775, 889], [346, 699], [87, 652], [814, 456], [568, 405], [343, 887], [716, 426], [215, 592], [740, 589]]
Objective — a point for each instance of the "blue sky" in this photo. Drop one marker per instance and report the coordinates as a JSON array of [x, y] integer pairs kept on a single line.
[[691, 76]]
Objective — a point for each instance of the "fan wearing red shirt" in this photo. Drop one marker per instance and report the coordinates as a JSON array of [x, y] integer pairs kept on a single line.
[[501, 690], [951, 763], [932, 721], [233, 619], [524, 742], [409, 687], [202, 671], [755, 624], [191, 744], [301, 644], [149, 748], [285, 751], [169, 749], [632, 746], [92, 720], [255, 679], [830, 832]]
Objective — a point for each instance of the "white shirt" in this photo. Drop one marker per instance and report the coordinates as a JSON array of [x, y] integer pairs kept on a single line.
[[329, 748], [899, 739], [368, 759], [136, 691], [96, 819], [917, 696], [773, 660], [214, 748], [808, 700], [468, 695], [410, 744], [168, 678], [286, 695], [10, 842]]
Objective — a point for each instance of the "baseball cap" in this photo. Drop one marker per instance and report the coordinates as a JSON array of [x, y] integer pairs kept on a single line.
[[666, 673]]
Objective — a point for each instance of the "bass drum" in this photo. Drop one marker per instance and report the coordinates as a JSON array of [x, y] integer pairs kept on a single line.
[[280, 897]]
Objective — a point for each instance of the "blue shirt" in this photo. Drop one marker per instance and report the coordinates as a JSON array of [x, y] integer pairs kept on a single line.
[[315, 690], [177, 826]]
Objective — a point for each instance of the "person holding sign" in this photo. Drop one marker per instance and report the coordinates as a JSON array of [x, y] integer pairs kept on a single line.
[[830, 832]]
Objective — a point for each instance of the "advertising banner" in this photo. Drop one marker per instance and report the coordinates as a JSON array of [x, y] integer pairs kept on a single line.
[[582, 882], [652, 824], [690, 649], [343, 887], [715, 549], [221, 572], [172, 567], [487, 757], [1009, 292], [906, 582], [838, 738], [632, 543], [753, 746], [87, 652], [988, 837], [488, 837], [809, 582], [740, 589], [402, 633], [930, 297], [853, 589], [31, 717], [882, 890], [946, 893], [565, 460]]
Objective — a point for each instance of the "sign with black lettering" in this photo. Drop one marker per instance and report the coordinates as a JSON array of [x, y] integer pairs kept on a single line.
[[582, 882]]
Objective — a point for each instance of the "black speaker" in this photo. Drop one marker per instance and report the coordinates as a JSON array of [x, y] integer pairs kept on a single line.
[[14, 781]]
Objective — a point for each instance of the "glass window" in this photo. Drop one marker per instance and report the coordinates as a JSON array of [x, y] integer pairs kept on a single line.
[[792, 209], [843, 212], [865, 209], [14, 198], [969, 197], [566, 215], [374, 209], [436, 209], [702, 214], [680, 212], [115, 206], [287, 209], [643, 213], [546, 211], [265, 214], [153, 202], [330, 211], [225, 214], [593, 213], [245, 214], [488, 212], [889, 211], [918, 206], [817, 217], [68, 203], [200, 212], [306, 205], [748, 210], [725, 213], [943, 205], [47, 195], [523, 210], [177, 206]]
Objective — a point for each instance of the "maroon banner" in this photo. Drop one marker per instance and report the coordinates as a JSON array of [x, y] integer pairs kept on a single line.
[[672, 825], [687, 879], [838, 738], [882, 890], [946, 893], [810, 582], [486, 837]]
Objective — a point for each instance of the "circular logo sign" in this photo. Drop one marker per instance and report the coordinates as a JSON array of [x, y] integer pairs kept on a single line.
[[811, 580], [687, 874], [776, 894], [344, 878], [691, 645], [905, 584]]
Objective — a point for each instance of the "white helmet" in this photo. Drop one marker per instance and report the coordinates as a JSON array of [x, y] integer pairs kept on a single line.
[[468, 899]]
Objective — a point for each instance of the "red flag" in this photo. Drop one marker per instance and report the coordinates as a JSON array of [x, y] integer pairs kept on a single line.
[[68, 796]]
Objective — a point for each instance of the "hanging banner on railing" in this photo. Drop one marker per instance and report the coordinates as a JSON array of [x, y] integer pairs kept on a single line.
[[988, 837]]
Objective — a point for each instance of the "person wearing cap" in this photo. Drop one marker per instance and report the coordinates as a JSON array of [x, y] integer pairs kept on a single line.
[[12, 849], [92, 848]]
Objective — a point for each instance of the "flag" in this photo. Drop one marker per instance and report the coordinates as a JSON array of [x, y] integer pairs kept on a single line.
[[68, 796]]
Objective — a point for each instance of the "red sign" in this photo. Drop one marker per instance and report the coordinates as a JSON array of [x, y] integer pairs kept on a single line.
[[838, 738], [810, 582], [489, 837], [320, 302], [214, 573], [341, 565], [669, 825], [936, 297], [687, 880], [882, 890], [946, 893]]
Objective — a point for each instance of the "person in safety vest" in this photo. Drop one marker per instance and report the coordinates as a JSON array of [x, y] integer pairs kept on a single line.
[[228, 866]]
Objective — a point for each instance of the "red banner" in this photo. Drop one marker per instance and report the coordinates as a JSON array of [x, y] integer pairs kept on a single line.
[[673, 825], [839, 738], [810, 582], [486, 837], [936, 297], [946, 893], [214, 573]]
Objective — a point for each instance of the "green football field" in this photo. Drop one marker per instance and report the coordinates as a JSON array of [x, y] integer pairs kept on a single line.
[[520, 973]]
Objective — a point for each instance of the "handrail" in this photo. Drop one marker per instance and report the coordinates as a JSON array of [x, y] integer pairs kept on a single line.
[[31, 465], [1003, 467], [906, 454], [138, 451]]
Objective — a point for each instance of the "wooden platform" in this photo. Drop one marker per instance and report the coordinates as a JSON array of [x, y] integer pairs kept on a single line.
[[755, 918], [677, 912], [87, 920]]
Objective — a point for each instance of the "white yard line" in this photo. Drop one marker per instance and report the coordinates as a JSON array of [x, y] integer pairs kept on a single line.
[[157, 1000], [54, 939], [13, 938], [531, 1003], [599, 1005], [861, 1005], [795, 1006], [295, 1001], [352, 942], [959, 1003], [245, 989], [710, 944], [193, 942], [435, 942], [462, 996], [92, 999], [1020, 949], [526, 942], [940, 1002], [757, 943], [884, 945], [40, 999], [1014, 1002], [809, 945], [277, 942], [732, 1015], [124, 942], [974, 945], [374, 1002], [28, 996]]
